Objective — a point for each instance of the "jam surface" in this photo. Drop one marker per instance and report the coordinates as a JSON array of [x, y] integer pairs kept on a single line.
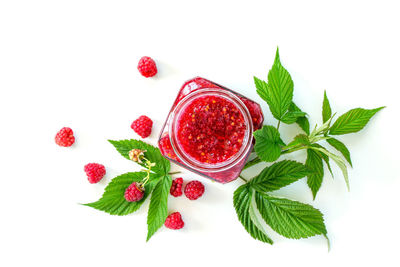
[[211, 129]]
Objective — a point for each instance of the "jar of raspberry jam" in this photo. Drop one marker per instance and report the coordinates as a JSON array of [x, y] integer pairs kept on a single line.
[[209, 130]]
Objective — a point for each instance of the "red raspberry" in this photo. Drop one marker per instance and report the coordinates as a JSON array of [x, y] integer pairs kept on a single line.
[[95, 172], [194, 190], [174, 221], [147, 67], [134, 192], [65, 137], [142, 126], [176, 187]]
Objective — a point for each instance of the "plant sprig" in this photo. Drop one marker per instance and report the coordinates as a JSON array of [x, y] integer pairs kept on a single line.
[[290, 218]]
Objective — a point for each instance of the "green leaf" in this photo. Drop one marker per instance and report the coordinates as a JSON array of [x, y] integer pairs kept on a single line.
[[279, 175], [292, 116], [326, 109], [301, 121], [324, 157], [352, 121], [278, 92], [290, 218], [339, 161], [242, 201], [339, 146], [268, 143], [152, 153], [158, 209], [314, 180], [262, 88], [113, 200]]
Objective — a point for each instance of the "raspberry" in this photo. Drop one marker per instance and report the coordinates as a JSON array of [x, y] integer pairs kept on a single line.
[[142, 126], [147, 67], [65, 137], [134, 192], [95, 172], [174, 221], [176, 187], [194, 190]]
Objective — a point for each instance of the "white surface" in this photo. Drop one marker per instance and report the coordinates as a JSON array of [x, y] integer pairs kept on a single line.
[[73, 63]]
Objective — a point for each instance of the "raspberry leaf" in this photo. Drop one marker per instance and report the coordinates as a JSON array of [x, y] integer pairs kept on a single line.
[[326, 109], [290, 218], [339, 146], [292, 116], [352, 121], [242, 198], [324, 157], [279, 175], [152, 153], [338, 160], [314, 179], [158, 209], [301, 121], [113, 200], [268, 143], [278, 92]]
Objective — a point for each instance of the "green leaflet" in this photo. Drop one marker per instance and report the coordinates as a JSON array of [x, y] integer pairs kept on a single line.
[[268, 143], [314, 162], [113, 200], [326, 109], [324, 157], [158, 209], [339, 146], [278, 92], [242, 198], [352, 121], [290, 218], [152, 153], [301, 121], [339, 161], [279, 175], [292, 116]]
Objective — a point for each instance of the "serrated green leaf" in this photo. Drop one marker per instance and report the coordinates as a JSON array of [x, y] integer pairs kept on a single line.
[[280, 89], [242, 198], [326, 109], [314, 180], [113, 200], [262, 88], [158, 209], [290, 218], [324, 157], [339, 161], [339, 146], [292, 116], [301, 121], [152, 153], [279, 175], [352, 121], [268, 143]]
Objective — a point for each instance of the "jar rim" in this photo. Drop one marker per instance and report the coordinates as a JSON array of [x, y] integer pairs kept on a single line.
[[207, 167]]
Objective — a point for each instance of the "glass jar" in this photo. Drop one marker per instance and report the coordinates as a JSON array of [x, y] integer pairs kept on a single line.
[[209, 130]]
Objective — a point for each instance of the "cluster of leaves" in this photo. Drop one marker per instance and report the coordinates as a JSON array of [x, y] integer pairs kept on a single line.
[[289, 218], [158, 186]]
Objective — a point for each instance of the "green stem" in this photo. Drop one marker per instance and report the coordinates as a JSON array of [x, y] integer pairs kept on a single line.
[[279, 123], [172, 173], [241, 177]]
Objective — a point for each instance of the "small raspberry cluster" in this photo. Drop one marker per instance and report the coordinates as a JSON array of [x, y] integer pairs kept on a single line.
[[95, 172], [193, 190]]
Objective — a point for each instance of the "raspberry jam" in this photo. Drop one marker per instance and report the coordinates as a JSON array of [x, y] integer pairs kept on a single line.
[[210, 129]]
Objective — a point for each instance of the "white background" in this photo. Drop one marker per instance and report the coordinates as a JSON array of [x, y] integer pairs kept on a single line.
[[73, 63]]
